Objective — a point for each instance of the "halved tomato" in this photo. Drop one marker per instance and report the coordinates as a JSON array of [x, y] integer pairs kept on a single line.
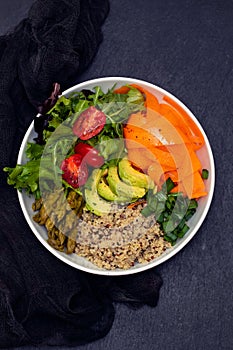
[[89, 154], [75, 171], [89, 123]]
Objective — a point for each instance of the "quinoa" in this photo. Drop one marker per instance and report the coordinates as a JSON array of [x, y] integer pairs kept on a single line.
[[119, 239]]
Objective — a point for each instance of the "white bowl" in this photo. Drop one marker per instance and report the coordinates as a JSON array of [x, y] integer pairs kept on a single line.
[[205, 155]]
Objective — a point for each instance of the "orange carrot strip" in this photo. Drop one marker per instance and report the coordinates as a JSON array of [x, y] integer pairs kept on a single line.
[[155, 171], [196, 164], [178, 188], [181, 123], [173, 174], [171, 115], [138, 158], [198, 138], [122, 90], [199, 194], [185, 159], [150, 100], [138, 119], [140, 137], [194, 185], [167, 132], [177, 121], [135, 204], [164, 158]]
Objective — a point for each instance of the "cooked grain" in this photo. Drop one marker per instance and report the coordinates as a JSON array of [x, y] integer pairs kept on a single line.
[[119, 239]]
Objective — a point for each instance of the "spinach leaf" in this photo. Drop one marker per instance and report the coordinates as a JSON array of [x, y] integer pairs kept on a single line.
[[171, 210]]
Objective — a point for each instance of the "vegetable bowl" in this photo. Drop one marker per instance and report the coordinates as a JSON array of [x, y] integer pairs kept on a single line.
[[127, 165]]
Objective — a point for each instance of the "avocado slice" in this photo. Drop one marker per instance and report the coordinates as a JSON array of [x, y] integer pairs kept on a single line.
[[133, 177], [120, 188], [94, 202], [105, 192]]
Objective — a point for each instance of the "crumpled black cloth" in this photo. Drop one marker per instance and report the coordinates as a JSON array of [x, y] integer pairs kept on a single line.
[[43, 300]]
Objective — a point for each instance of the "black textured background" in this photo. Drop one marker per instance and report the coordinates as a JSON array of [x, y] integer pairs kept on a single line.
[[185, 47]]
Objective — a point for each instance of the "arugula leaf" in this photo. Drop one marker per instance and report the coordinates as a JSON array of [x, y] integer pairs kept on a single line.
[[111, 148], [57, 115], [134, 96]]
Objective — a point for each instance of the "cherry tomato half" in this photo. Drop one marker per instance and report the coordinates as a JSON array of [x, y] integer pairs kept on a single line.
[[83, 148], [89, 154], [75, 171], [95, 162], [89, 123]]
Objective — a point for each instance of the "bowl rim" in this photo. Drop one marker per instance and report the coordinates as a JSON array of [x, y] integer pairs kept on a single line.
[[175, 249]]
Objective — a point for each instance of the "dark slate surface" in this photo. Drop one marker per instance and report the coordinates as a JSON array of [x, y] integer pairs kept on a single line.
[[185, 47]]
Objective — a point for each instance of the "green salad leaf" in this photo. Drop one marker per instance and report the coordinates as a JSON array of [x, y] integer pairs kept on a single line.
[[25, 177], [34, 150]]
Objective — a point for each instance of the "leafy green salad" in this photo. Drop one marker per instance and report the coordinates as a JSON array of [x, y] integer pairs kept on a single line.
[[82, 149]]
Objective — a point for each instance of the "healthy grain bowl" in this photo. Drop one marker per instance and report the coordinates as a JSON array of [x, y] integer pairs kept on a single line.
[[114, 176]]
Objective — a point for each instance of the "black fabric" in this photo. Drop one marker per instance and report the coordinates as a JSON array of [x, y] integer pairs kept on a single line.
[[42, 300]]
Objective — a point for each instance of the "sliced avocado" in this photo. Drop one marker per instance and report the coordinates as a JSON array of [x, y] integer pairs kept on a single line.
[[120, 188], [133, 177], [105, 192], [94, 202]]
